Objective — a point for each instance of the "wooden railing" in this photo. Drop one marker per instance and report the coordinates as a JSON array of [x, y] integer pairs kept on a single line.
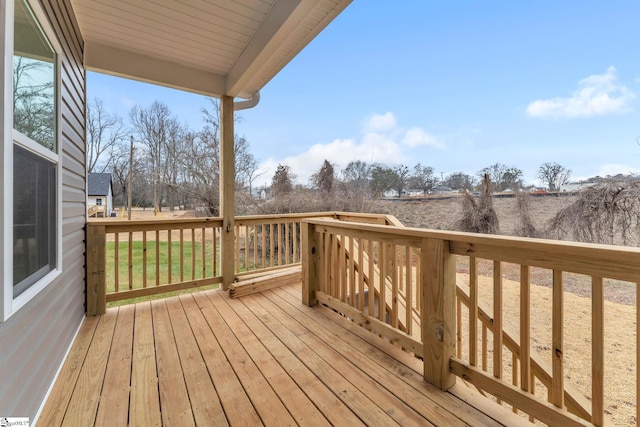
[[94, 210], [401, 283], [131, 259]]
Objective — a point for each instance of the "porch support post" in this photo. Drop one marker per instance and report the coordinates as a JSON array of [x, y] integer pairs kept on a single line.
[[438, 312], [227, 191]]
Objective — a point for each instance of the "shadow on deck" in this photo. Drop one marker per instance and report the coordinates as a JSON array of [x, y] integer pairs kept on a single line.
[[204, 359]]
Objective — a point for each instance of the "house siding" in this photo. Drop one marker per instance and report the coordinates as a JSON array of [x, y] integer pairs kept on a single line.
[[37, 337]]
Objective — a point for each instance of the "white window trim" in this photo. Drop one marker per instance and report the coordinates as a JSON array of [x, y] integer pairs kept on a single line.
[[10, 305]]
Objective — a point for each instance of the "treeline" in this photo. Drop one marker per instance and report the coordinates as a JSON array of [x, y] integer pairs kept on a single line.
[[171, 165], [175, 166], [377, 179]]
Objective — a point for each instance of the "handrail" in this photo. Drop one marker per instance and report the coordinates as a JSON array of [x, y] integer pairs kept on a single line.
[[410, 263]]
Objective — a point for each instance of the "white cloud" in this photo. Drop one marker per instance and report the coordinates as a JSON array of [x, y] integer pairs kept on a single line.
[[382, 141], [612, 169], [416, 137], [381, 122], [596, 95]]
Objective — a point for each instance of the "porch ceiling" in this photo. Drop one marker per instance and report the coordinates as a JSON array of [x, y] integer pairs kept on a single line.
[[215, 47]]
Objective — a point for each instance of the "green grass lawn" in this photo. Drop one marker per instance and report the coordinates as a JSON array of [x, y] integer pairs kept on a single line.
[[137, 261]]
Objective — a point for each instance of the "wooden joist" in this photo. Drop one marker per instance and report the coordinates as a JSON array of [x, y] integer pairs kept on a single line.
[[289, 276]]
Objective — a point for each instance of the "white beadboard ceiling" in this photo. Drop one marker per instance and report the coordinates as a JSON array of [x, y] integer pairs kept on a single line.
[[211, 47]]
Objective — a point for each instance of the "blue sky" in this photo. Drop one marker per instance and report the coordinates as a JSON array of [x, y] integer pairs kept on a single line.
[[456, 85]]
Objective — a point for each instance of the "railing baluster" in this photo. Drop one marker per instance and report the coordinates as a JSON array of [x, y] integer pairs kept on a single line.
[[382, 265], [352, 274], [395, 289], [408, 290], [287, 250], [497, 320], [272, 245], [514, 375], [246, 248], [473, 311], [597, 351], [525, 329], [557, 383], [372, 287], [296, 256], [263, 249], [360, 244], [144, 261], [342, 269], [169, 258], [181, 255], [130, 266], [116, 265], [236, 247], [193, 253], [484, 343], [458, 328], [203, 252], [157, 257], [214, 251], [254, 246]]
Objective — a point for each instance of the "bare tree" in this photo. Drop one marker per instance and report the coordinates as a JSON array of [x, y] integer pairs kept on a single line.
[[323, 179], [382, 180], [423, 178], [479, 216], [400, 179], [104, 132], [282, 181], [459, 181], [154, 126], [554, 175], [502, 176]]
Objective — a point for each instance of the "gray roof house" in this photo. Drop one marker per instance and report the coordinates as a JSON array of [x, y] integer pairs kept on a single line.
[[99, 194]]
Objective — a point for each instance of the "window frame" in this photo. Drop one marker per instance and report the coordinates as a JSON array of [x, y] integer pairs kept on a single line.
[[10, 137]]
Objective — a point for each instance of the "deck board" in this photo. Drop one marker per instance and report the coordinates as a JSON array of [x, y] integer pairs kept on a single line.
[[174, 399], [114, 404], [144, 409], [264, 359]]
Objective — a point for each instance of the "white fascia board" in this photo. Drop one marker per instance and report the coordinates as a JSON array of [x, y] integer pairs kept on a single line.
[[122, 63]]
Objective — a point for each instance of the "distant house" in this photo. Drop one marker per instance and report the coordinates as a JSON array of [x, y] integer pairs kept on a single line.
[[442, 189], [99, 194]]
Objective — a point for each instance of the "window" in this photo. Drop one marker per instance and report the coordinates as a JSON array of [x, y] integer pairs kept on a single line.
[[31, 208], [99, 202]]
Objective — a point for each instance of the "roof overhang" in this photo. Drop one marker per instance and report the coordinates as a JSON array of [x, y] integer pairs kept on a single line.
[[214, 48]]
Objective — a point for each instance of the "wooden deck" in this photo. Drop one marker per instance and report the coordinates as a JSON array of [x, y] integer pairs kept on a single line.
[[265, 359]]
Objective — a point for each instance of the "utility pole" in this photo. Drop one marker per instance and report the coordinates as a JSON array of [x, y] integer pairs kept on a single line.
[[130, 177]]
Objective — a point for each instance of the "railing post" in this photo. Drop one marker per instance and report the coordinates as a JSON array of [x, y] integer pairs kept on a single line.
[[312, 253], [438, 320], [96, 264]]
